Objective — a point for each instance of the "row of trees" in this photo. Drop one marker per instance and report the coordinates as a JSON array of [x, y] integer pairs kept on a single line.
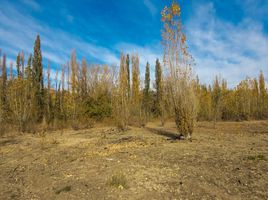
[[247, 101], [79, 94]]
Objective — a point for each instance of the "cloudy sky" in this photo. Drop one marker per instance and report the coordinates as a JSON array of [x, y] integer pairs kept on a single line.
[[227, 38]]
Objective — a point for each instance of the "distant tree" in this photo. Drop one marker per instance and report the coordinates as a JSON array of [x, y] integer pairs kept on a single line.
[[205, 103], [159, 91], [135, 79], [83, 90], [3, 93], [38, 81], [255, 98], [242, 94], [136, 96], [263, 97], [224, 101], [22, 60], [18, 65], [216, 99], [29, 86], [146, 93], [11, 70], [84, 80], [63, 92], [120, 100], [74, 105], [128, 75], [57, 113], [49, 104], [28, 70]]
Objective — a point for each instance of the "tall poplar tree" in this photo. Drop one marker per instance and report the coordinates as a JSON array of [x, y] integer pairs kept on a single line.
[[120, 100], [159, 90], [18, 65], [178, 66], [28, 70], [216, 99], [84, 88], [38, 81], [136, 103], [146, 95], [128, 75], [262, 98]]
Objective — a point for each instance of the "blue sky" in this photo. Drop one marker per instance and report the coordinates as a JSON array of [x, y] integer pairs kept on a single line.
[[227, 37]]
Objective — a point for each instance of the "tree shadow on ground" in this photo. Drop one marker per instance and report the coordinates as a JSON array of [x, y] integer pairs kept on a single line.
[[170, 135]]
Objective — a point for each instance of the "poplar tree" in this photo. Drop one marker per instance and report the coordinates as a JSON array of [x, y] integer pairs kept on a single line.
[[18, 65], [136, 97], [254, 98], [29, 84], [159, 88], [75, 104], [28, 70], [38, 82], [62, 100], [11, 71], [49, 106], [135, 79], [120, 100], [128, 75], [262, 98], [22, 60], [242, 94], [84, 80], [216, 99], [146, 95], [56, 106], [178, 63]]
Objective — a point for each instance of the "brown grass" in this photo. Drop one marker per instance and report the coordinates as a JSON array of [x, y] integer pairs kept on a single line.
[[229, 162]]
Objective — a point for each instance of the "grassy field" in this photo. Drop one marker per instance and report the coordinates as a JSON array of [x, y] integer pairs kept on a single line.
[[229, 162]]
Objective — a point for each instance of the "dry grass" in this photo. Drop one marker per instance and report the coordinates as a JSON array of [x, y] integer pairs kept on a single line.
[[229, 162], [118, 180]]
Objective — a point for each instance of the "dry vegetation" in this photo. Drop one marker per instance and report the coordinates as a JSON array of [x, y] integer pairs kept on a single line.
[[229, 162], [94, 132]]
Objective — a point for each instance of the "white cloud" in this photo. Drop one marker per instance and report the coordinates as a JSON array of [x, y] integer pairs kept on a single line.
[[32, 4], [257, 9], [152, 8], [220, 47], [18, 32]]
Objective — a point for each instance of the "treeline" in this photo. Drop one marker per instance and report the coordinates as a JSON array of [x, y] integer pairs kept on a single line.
[[247, 101], [79, 95]]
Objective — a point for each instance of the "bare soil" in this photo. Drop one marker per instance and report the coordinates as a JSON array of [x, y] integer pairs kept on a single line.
[[229, 162]]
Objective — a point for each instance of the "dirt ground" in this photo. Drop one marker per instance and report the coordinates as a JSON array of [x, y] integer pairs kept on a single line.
[[229, 162]]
